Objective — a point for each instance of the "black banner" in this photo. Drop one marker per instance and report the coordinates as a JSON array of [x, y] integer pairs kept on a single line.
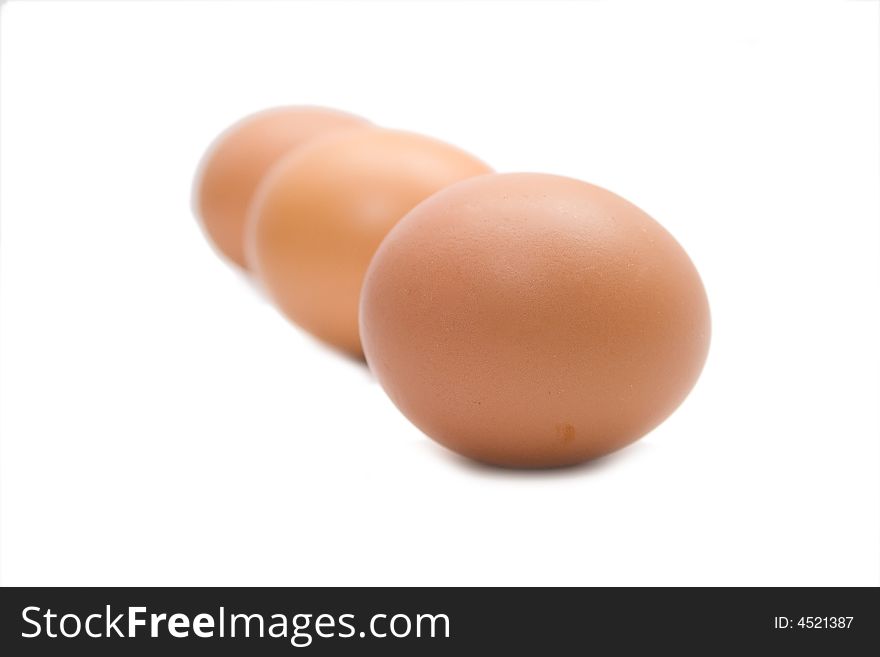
[[408, 621]]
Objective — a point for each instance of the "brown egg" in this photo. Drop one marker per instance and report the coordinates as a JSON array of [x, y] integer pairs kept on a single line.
[[531, 320], [234, 165], [321, 213]]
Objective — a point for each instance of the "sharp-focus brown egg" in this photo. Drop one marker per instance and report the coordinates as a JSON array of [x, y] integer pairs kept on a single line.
[[321, 212], [238, 159], [531, 320]]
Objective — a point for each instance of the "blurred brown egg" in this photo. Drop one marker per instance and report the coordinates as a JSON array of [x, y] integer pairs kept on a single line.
[[530, 320], [320, 214], [236, 162]]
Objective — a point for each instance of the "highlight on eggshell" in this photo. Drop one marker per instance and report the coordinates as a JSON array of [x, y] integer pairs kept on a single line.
[[321, 212], [530, 320], [237, 161]]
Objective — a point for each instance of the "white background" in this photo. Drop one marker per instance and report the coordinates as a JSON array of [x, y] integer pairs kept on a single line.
[[162, 424]]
